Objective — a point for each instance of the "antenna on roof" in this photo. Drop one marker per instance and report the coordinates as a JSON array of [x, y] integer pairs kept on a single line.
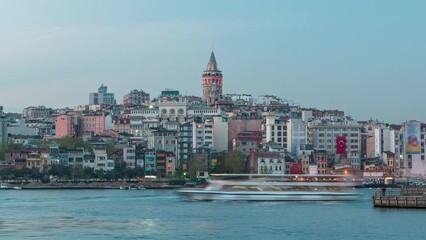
[[212, 47]]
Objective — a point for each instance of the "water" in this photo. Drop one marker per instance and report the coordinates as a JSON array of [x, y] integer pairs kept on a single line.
[[160, 214]]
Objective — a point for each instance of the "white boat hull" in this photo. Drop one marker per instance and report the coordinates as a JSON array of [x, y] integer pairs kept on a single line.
[[203, 195]]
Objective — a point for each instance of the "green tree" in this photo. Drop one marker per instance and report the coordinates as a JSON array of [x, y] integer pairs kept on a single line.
[[110, 147], [77, 172], [73, 142], [234, 162], [88, 172], [60, 171], [194, 165]]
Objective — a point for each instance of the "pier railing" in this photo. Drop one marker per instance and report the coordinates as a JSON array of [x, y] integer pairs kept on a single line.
[[400, 198]]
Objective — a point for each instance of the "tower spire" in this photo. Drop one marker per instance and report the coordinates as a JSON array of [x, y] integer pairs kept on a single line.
[[212, 81], [212, 65]]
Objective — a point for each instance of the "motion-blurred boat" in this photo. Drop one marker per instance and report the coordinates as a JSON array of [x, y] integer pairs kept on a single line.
[[268, 187]]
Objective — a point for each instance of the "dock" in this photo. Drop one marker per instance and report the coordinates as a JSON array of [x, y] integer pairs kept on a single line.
[[412, 197]]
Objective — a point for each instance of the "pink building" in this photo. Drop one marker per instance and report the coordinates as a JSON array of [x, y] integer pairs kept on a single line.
[[64, 126], [67, 125], [122, 125], [95, 123]]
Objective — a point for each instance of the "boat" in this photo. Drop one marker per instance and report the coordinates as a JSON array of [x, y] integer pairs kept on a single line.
[[3, 186], [268, 187], [131, 187], [17, 188]]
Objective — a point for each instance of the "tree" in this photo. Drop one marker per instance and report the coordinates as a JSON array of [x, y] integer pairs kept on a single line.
[[110, 147], [73, 142], [60, 171], [194, 165], [234, 162]]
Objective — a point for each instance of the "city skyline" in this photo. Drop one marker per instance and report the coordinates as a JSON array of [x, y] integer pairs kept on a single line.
[[362, 58]]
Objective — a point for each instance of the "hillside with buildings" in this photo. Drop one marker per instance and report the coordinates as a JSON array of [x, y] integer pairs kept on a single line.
[[174, 135]]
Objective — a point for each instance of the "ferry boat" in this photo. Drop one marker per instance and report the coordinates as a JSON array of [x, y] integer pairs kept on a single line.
[[3, 186], [268, 187]]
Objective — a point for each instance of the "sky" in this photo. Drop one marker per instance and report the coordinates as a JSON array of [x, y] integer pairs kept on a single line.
[[366, 58]]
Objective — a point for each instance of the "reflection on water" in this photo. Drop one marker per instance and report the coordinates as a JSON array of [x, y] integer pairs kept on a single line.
[[150, 214]]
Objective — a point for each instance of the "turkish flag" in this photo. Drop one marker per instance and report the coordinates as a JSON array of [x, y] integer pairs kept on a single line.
[[340, 145]]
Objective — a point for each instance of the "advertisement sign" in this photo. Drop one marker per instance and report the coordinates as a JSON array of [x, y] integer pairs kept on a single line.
[[412, 138]]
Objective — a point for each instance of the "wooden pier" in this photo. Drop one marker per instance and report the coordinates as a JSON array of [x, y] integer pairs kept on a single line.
[[401, 198]]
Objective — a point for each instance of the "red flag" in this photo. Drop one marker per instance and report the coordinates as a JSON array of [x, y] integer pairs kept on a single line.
[[296, 168], [340, 145]]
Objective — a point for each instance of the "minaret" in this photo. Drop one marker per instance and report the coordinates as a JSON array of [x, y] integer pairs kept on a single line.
[[212, 82]]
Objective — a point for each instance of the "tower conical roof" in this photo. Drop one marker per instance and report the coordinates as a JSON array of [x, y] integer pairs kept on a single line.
[[212, 65]]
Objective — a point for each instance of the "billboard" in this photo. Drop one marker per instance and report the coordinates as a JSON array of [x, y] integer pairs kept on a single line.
[[412, 137]]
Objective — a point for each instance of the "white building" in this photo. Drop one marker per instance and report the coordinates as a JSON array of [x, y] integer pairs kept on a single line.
[[136, 98], [27, 127], [202, 134], [269, 163], [102, 97], [220, 133], [240, 99], [204, 111], [36, 112], [142, 120], [101, 161], [163, 139], [324, 136], [21, 128], [412, 165], [307, 116], [384, 140], [276, 130], [129, 156], [296, 135], [266, 100]]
